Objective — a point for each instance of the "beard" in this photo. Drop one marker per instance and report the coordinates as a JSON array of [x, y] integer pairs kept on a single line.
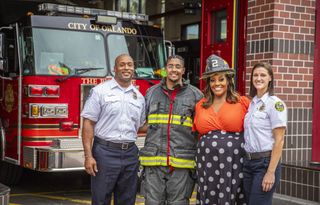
[[174, 80]]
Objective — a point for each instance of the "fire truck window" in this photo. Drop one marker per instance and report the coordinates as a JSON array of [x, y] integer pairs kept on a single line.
[[116, 45], [219, 26], [28, 63], [59, 52], [146, 52], [49, 60], [11, 56], [10, 47], [27, 52]]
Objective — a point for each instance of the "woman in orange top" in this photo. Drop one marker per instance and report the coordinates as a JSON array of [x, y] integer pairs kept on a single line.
[[219, 121]]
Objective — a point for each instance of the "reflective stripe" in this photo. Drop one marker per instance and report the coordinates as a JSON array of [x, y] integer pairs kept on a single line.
[[175, 119], [162, 161]]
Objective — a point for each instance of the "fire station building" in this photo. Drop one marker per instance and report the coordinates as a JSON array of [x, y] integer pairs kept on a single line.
[[285, 33]]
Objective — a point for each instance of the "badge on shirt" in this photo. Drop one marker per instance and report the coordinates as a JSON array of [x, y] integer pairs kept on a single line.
[[262, 107], [134, 95], [279, 106]]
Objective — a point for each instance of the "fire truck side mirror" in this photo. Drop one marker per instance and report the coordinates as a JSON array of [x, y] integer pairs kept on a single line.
[[2, 53], [171, 50], [1, 65], [2, 46]]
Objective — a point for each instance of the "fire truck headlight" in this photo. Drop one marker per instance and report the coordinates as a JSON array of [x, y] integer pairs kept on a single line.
[[44, 110]]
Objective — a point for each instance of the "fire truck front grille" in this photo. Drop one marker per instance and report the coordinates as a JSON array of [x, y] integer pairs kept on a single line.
[[67, 143]]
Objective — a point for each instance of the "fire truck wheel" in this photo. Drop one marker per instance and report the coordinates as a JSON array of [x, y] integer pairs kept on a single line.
[[10, 174]]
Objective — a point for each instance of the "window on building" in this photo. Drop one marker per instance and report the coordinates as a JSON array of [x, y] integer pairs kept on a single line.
[[219, 26], [122, 5], [133, 6], [142, 6], [190, 31]]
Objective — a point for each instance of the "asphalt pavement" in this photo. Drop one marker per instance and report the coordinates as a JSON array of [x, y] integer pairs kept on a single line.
[[279, 199], [73, 188]]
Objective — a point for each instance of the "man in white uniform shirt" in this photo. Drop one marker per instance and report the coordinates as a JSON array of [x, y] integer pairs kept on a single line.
[[112, 114]]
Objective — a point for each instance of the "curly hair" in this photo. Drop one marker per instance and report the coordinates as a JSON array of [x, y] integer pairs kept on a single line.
[[175, 57], [232, 95]]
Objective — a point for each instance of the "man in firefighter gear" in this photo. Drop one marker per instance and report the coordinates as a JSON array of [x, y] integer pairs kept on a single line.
[[170, 146], [112, 115]]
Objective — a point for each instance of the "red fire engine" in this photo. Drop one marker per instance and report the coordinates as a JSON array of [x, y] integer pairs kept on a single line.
[[49, 60]]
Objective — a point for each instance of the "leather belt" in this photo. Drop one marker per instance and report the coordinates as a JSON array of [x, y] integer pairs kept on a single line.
[[123, 145], [258, 155]]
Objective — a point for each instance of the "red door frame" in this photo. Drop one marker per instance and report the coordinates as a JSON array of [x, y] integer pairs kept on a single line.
[[242, 34], [238, 32], [316, 93]]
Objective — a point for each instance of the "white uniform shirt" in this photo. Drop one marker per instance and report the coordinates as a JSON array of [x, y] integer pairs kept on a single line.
[[264, 114], [118, 112]]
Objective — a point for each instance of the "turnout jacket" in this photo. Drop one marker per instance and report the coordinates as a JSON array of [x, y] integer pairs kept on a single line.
[[169, 140]]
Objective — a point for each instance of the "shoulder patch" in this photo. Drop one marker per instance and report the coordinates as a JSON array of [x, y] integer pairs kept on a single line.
[[279, 106]]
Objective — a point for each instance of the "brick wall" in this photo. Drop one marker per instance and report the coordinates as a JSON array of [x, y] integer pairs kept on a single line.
[[282, 33]]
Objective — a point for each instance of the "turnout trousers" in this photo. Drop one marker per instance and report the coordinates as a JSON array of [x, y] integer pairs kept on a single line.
[[161, 186]]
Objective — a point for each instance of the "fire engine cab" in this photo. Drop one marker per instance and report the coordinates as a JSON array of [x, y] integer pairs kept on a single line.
[[49, 60]]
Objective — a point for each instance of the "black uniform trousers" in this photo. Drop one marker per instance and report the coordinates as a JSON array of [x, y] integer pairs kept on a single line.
[[117, 174]]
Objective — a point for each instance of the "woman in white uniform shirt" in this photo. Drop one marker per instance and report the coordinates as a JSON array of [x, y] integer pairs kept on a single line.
[[264, 130]]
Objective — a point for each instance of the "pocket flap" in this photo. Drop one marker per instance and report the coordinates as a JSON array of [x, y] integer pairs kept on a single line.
[[111, 98], [261, 115], [148, 151], [135, 103], [185, 154]]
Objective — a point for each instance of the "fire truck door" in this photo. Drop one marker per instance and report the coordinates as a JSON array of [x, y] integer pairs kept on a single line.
[[9, 99], [219, 30]]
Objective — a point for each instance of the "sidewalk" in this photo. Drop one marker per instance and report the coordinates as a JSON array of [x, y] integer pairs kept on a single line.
[[279, 199]]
